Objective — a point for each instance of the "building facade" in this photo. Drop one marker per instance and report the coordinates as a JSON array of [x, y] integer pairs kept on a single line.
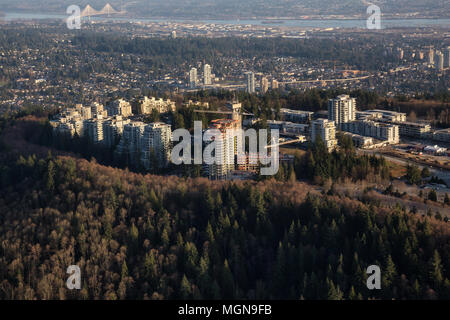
[[413, 129], [193, 78], [297, 116], [250, 82], [431, 56], [384, 115], [147, 105], [226, 149], [119, 107], [112, 130], [207, 75], [378, 130], [156, 145], [130, 143], [264, 85], [439, 60], [342, 109], [325, 130], [93, 129], [275, 84], [442, 135]]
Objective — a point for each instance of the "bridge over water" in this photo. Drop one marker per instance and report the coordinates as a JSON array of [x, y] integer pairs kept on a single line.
[[107, 10]]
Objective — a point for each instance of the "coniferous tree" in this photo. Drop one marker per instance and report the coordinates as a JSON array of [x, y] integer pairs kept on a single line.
[[446, 199], [435, 270], [432, 195]]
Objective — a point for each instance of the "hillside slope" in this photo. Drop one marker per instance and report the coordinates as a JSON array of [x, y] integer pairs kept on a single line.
[[153, 237]]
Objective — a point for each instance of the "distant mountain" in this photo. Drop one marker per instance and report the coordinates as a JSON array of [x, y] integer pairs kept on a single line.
[[230, 9]]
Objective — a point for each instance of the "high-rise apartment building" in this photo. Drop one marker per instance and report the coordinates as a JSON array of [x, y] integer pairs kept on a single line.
[[250, 82], [98, 109], [85, 112], [130, 143], [66, 128], [264, 84], [93, 129], [78, 126], [447, 57], [148, 144], [400, 53], [439, 60], [137, 143], [342, 109], [113, 129], [119, 107], [193, 78], [155, 145], [326, 130], [236, 108], [275, 84], [207, 75], [71, 120], [431, 56], [225, 151]]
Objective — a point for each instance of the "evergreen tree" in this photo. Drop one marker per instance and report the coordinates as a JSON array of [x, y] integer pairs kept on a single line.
[[185, 288], [446, 199], [435, 270], [432, 195]]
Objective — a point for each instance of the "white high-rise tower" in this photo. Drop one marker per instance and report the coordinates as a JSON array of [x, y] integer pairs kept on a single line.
[[207, 75], [342, 109]]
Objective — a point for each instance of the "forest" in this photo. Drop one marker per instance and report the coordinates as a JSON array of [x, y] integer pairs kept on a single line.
[[140, 236], [318, 164], [144, 236], [162, 52]]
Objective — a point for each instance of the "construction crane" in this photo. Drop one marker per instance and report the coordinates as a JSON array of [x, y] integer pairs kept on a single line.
[[299, 139], [237, 115]]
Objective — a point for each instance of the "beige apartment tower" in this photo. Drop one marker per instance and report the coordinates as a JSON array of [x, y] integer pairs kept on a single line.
[[326, 130]]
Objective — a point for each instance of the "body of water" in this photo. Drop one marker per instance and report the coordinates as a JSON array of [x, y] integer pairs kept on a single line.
[[310, 23]]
